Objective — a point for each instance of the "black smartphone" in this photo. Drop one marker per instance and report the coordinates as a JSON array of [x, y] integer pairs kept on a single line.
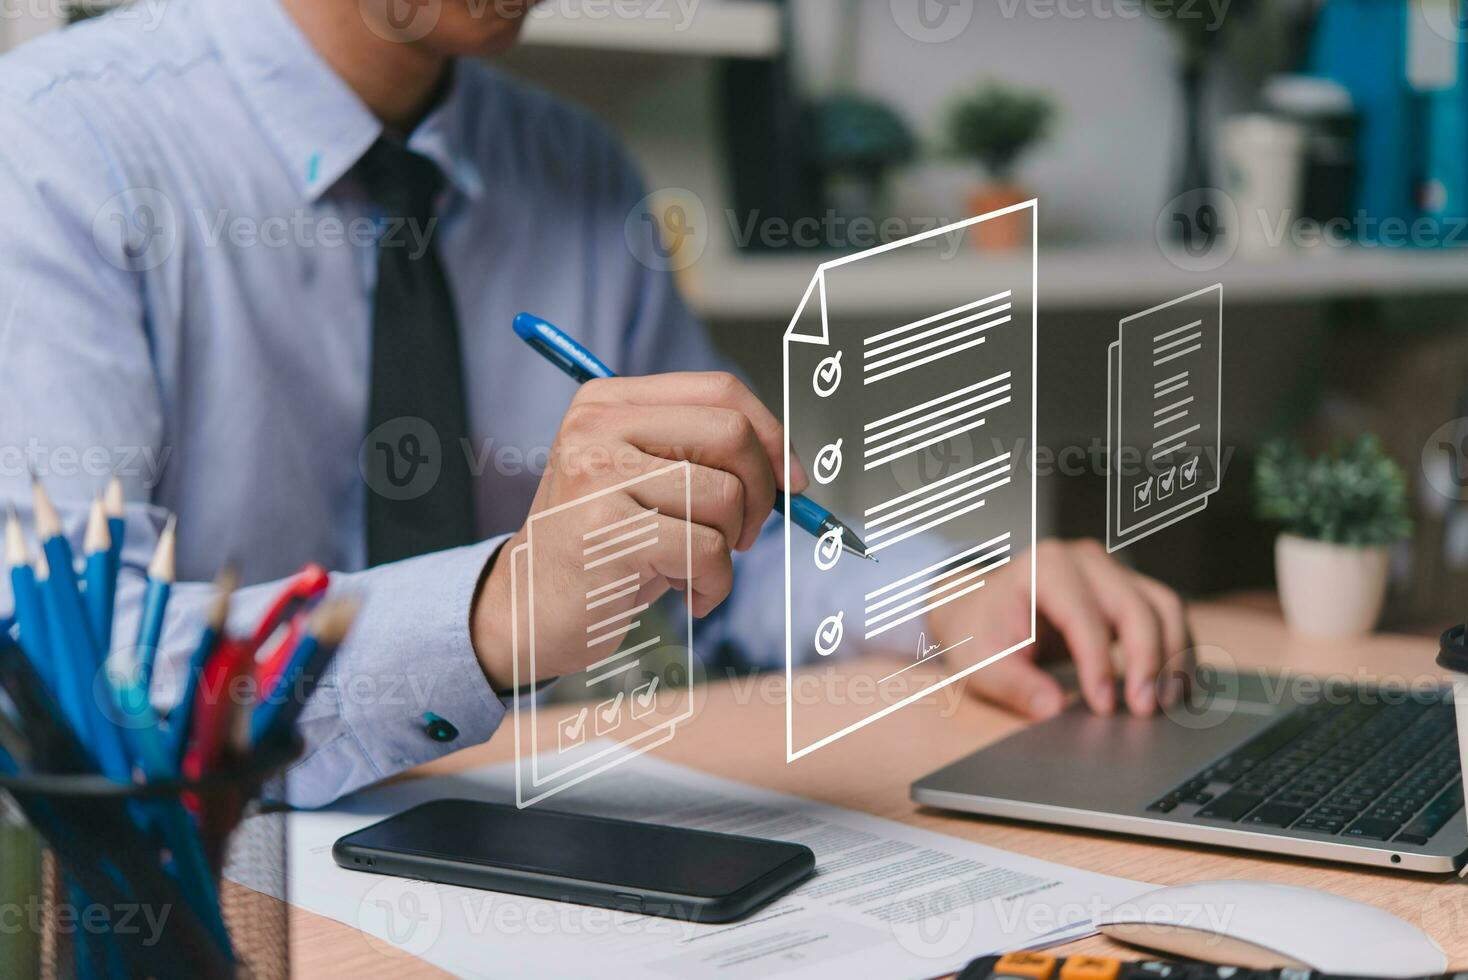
[[693, 875]]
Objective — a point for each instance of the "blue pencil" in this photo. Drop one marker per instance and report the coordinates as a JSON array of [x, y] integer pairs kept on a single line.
[[30, 613], [79, 659], [277, 709], [155, 600], [97, 548], [180, 718]]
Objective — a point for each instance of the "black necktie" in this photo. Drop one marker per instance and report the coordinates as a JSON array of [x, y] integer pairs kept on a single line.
[[419, 488]]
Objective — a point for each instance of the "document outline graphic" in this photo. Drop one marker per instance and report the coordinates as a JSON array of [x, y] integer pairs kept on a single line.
[[1120, 533], [531, 785], [976, 322]]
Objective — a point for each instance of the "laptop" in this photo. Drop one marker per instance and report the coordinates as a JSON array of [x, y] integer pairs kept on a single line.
[[1285, 765]]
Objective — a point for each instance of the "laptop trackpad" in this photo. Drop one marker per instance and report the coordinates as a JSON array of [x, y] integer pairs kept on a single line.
[[1118, 764]]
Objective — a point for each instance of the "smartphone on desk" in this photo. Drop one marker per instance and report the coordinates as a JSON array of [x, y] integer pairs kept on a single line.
[[692, 875]]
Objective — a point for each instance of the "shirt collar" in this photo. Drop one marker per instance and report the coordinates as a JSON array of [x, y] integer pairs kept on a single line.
[[316, 123]]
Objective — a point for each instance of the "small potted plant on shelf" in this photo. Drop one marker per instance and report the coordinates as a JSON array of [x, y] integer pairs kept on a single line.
[[858, 142], [995, 126], [1339, 514]]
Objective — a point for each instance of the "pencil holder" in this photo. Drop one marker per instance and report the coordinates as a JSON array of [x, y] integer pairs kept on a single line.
[[86, 893]]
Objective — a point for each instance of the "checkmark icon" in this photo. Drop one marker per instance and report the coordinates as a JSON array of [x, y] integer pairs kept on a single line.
[[1190, 474], [828, 549], [573, 730], [609, 714], [829, 634], [1166, 483], [828, 376], [1143, 493], [645, 699]]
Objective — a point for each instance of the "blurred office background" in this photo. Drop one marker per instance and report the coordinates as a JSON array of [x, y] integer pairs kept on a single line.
[[1345, 120]]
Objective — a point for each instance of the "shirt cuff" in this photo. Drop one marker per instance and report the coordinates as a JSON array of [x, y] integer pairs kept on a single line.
[[409, 654]]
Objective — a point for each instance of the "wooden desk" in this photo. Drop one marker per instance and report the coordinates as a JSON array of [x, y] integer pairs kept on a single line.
[[739, 733]]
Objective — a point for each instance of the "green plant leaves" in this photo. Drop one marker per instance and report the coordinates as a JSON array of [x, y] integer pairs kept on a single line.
[[1355, 494]]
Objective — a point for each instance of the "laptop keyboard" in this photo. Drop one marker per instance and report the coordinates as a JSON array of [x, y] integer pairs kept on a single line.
[[1357, 771]]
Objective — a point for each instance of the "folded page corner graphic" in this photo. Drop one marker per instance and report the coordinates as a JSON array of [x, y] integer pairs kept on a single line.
[[916, 419]]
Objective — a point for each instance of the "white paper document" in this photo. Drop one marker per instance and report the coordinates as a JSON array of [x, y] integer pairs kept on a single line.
[[886, 900]]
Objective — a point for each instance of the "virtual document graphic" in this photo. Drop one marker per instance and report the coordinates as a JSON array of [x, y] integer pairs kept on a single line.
[[639, 709], [1165, 394], [918, 430]]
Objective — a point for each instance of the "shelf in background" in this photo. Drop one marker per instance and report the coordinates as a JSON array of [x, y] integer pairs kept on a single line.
[[1080, 278], [714, 28]]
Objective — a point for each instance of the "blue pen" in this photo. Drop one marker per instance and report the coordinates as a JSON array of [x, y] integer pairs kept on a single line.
[[556, 346]]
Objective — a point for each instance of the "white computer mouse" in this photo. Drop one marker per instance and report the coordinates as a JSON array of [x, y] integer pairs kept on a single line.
[[1261, 925]]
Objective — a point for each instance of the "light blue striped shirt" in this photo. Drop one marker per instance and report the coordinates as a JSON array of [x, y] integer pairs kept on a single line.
[[186, 273]]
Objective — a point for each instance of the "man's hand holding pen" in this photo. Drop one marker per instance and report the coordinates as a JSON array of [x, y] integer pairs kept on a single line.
[[617, 429]]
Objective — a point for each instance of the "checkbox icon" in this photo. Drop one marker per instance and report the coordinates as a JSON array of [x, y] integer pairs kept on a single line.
[[609, 713], [1189, 475], [1142, 494], [645, 699], [572, 731], [1167, 484]]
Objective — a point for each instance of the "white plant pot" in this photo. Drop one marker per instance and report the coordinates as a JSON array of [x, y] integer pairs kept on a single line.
[[1330, 590]]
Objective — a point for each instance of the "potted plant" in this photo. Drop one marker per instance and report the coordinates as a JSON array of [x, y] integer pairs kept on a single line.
[[858, 142], [1339, 513], [995, 125]]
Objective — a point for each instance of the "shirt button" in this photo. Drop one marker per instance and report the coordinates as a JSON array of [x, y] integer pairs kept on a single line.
[[439, 729]]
